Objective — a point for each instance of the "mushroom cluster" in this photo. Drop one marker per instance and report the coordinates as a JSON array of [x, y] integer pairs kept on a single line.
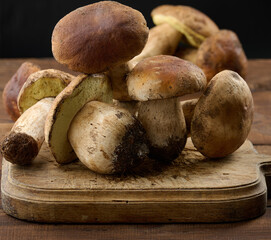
[[133, 101]]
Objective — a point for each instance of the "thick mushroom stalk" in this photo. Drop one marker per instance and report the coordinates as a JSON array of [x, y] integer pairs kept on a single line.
[[163, 40], [166, 128], [107, 139], [23, 142]]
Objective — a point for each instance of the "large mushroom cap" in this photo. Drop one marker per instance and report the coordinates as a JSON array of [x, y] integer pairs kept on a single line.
[[195, 25], [164, 76], [98, 36], [222, 51]]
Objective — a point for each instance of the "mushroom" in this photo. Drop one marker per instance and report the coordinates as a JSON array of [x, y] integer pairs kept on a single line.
[[158, 82], [42, 84], [222, 51], [193, 24], [218, 52], [223, 115], [100, 37], [107, 139], [82, 89], [13, 87], [23, 142], [174, 24]]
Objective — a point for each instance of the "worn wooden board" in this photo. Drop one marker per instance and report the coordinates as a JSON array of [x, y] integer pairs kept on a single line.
[[192, 189]]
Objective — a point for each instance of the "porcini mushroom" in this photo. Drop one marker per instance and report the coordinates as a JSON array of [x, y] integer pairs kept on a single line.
[[223, 115], [222, 51], [100, 37], [158, 82], [174, 24], [82, 89], [193, 24], [23, 142], [107, 138], [13, 87]]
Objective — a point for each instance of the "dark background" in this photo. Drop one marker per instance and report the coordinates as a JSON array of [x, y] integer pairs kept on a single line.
[[26, 25]]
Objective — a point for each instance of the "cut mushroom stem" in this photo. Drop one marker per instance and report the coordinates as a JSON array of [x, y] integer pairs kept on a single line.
[[165, 124], [24, 141], [107, 139]]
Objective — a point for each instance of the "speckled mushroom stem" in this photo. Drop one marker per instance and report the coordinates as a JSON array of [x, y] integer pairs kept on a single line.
[[163, 40], [164, 122], [24, 141]]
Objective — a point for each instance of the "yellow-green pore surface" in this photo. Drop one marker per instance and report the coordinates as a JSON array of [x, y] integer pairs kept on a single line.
[[42, 88], [82, 90]]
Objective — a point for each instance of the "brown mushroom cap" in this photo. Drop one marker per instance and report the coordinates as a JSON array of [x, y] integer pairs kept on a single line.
[[222, 51], [99, 36], [223, 115], [195, 25], [164, 76]]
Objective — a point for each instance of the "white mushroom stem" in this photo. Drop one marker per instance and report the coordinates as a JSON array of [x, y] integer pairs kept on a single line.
[[165, 126], [24, 141], [107, 139], [163, 39]]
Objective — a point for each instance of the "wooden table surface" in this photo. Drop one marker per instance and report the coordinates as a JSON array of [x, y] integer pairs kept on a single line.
[[259, 80]]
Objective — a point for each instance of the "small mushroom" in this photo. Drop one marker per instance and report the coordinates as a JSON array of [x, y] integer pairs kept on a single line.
[[193, 24], [82, 89], [108, 139], [13, 87], [221, 51], [23, 142], [223, 115], [158, 82]]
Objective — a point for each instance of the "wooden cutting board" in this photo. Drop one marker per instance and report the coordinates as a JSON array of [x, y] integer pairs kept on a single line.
[[192, 189]]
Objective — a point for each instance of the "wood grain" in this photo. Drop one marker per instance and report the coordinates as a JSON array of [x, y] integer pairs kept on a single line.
[[192, 189]]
